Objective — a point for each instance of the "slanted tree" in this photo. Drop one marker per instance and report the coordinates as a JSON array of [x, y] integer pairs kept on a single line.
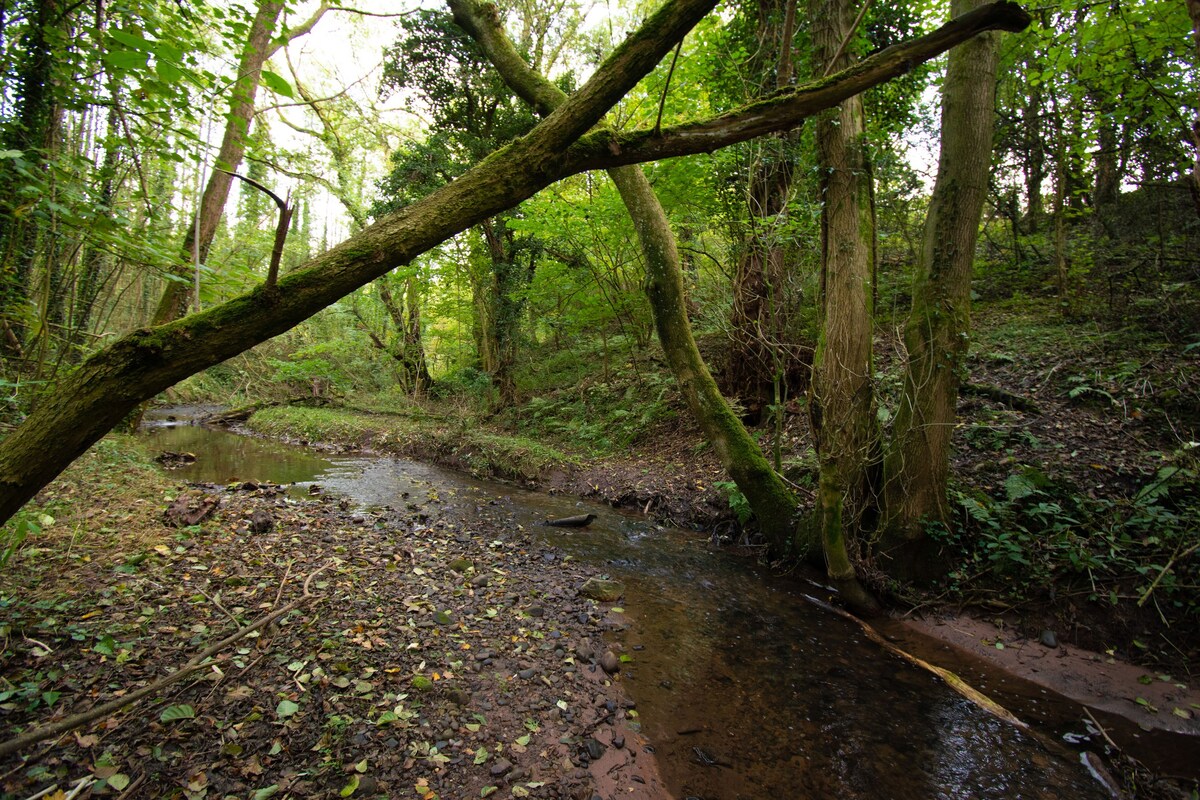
[[773, 503]]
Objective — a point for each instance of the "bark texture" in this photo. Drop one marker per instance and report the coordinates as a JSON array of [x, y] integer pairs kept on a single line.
[[94, 398], [1194, 13], [917, 467], [842, 397], [764, 361]]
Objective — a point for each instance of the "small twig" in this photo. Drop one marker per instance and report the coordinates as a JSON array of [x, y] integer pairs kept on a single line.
[[1177, 556], [193, 664], [83, 783], [281, 230], [842, 47], [663, 100], [1100, 728], [287, 571], [217, 603], [40, 644], [129, 790], [953, 681], [51, 788]]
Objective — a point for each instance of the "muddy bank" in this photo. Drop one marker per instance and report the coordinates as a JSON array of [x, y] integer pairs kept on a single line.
[[1147, 714]]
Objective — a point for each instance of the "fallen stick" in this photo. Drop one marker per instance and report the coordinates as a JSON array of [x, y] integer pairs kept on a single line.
[[953, 681], [193, 664]]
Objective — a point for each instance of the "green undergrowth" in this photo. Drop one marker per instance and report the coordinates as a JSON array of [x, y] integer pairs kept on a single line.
[[1132, 371], [104, 495], [462, 443], [1042, 539], [602, 415]]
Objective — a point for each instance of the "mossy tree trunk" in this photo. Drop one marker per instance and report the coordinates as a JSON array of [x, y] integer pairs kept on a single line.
[[917, 466], [31, 131], [408, 347], [842, 397], [773, 503], [107, 386]]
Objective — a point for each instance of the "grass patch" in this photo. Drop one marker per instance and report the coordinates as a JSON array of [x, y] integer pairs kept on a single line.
[[104, 510], [466, 445]]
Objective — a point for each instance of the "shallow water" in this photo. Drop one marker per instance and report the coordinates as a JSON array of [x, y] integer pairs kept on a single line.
[[745, 688]]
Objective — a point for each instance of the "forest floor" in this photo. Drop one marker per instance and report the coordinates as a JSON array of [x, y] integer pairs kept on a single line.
[[441, 650]]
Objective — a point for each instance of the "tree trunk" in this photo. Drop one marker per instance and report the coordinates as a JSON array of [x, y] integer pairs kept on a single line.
[[196, 244], [31, 132], [917, 466], [842, 397], [773, 503], [760, 357], [1194, 12], [107, 386], [407, 348], [1035, 159], [414, 344]]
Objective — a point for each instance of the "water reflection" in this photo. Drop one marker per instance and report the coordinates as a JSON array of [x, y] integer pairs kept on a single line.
[[745, 689]]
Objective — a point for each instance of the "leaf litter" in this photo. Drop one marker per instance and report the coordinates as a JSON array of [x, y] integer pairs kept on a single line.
[[439, 655]]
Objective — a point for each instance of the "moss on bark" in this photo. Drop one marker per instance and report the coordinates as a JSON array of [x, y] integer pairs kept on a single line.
[[917, 465]]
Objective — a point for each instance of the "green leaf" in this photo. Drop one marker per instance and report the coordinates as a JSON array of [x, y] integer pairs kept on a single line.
[[350, 788], [172, 713], [265, 792], [277, 84], [118, 781], [126, 59], [286, 708], [481, 755], [168, 71], [132, 40], [487, 790], [107, 646]]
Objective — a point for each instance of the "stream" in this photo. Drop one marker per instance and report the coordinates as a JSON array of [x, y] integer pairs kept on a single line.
[[745, 688]]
